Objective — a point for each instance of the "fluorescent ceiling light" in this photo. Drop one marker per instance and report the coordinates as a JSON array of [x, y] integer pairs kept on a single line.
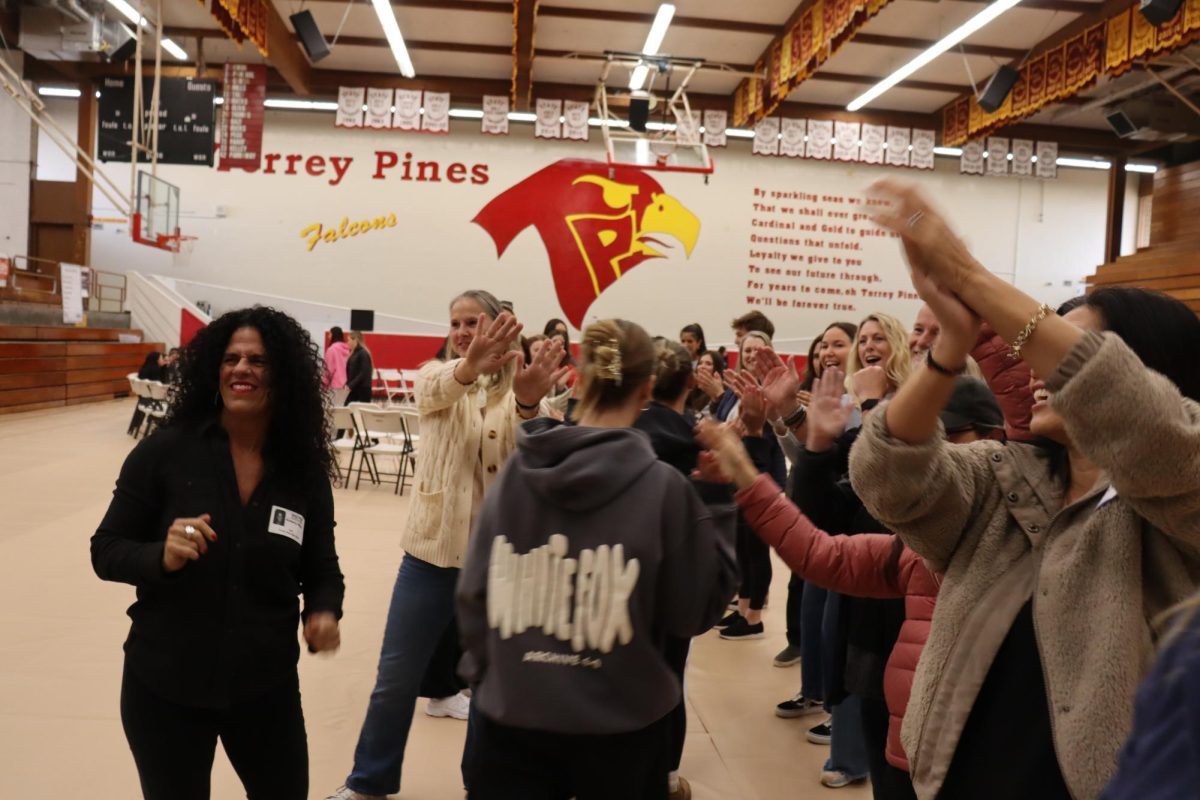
[[739, 133], [954, 152], [58, 91], [302, 105], [522, 116], [465, 113], [174, 49], [1083, 163], [950, 40], [130, 13], [654, 40], [391, 29], [1148, 169]]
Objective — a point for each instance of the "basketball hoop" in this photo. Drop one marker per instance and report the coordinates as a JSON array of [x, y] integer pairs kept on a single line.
[[181, 247]]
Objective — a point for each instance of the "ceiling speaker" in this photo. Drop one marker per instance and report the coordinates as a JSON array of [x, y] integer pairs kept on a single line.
[[998, 88], [310, 36], [639, 113], [1157, 12], [1120, 123]]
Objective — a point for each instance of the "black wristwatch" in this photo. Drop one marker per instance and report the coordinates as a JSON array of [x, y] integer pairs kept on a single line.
[[867, 405]]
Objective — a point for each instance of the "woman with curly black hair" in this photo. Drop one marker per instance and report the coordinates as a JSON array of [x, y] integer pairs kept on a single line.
[[220, 519]]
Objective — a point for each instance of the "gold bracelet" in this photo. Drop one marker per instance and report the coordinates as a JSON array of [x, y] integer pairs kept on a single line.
[[1023, 337]]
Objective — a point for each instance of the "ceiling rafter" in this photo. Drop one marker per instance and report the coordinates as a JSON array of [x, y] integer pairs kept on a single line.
[[524, 27]]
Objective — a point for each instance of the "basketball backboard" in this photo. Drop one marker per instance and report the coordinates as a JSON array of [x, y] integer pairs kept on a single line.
[[156, 213]]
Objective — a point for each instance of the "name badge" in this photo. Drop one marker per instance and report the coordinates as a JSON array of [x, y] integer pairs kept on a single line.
[[286, 523]]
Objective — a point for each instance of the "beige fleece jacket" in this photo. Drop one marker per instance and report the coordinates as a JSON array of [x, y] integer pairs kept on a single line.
[[456, 441], [990, 518]]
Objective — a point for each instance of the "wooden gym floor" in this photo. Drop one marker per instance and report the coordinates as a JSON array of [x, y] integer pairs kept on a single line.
[[60, 652]]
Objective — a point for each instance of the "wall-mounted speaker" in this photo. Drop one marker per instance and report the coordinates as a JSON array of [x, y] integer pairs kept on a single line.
[[310, 36], [1157, 12], [124, 52], [998, 88], [362, 320]]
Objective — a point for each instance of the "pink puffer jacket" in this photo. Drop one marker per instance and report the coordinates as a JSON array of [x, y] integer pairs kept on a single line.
[[863, 565]]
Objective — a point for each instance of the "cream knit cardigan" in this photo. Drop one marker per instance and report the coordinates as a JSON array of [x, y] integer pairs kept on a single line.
[[452, 434]]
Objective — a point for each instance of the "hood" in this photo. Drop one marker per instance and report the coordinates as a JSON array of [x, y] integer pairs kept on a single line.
[[580, 468], [671, 437]]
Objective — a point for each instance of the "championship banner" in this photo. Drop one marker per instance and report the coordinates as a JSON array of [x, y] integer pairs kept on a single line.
[[687, 127], [495, 114], [1116, 45], [820, 138], [766, 137], [1022, 163], [778, 81], [408, 110], [922, 149], [714, 128], [997, 160], [739, 104], [786, 62], [897, 146], [548, 124], [846, 136], [1141, 36], [242, 116], [379, 108], [1056, 74], [972, 159], [791, 144], [350, 107], [1047, 160], [242, 20], [436, 116], [575, 120], [873, 138]]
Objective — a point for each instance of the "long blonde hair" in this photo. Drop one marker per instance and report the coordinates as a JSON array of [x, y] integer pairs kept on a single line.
[[500, 382], [761, 336], [360, 341], [899, 363]]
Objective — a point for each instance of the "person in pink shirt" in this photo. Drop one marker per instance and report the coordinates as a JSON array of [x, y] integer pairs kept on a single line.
[[336, 356]]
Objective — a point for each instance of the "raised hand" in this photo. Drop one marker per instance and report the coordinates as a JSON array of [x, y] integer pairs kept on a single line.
[[870, 383], [534, 381], [827, 415], [187, 540], [724, 458], [780, 385], [491, 349], [321, 632], [960, 325], [752, 408], [710, 382]]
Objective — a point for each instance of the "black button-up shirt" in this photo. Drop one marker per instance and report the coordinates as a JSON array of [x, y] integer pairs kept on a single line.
[[223, 628]]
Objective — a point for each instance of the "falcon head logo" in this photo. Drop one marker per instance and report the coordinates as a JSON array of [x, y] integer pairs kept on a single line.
[[595, 228]]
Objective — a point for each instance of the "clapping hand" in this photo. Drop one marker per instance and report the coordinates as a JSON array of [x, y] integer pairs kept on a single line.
[[709, 382], [491, 349], [870, 383], [752, 408], [960, 325], [827, 415], [780, 386], [534, 380]]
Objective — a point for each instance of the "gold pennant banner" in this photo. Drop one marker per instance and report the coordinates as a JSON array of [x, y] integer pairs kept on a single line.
[[242, 20], [1107, 48]]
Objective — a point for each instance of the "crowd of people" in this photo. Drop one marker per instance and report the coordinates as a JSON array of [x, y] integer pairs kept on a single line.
[[991, 518]]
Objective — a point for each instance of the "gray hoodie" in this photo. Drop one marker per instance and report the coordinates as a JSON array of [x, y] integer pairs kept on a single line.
[[588, 551]]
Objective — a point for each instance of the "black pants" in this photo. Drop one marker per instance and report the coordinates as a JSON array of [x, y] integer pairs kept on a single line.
[[887, 782], [173, 745], [794, 616], [675, 650], [754, 561], [441, 676], [520, 764]]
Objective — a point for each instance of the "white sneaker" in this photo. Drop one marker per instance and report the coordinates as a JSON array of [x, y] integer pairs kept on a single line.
[[346, 793], [457, 706]]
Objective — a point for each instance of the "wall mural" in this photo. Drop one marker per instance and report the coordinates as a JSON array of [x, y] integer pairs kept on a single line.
[[596, 223]]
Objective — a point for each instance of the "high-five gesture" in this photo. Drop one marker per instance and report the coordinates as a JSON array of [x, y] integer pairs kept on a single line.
[[780, 385], [710, 382], [827, 414], [752, 408], [491, 349], [724, 457], [534, 380]]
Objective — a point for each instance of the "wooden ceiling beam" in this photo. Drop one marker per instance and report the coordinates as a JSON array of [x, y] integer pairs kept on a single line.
[[871, 80], [285, 54], [524, 26], [912, 43], [1068, 6]]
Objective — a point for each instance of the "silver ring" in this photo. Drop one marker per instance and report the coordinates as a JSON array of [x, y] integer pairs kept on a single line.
[[189, 531], [915, 218]]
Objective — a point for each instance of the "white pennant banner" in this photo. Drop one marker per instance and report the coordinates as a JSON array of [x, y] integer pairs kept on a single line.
[[1047, 159], [845, 140], [792, 142], [350, 107], [495, 114], [873, 138], [548, 125], [897, 146], [820, 138], [408, 110], [687, 128], [575, 120], [379, 108], [997, 160], [714, 128], [766, 137], [1022, 163], [922, 149], [436, 118], [972, 159]]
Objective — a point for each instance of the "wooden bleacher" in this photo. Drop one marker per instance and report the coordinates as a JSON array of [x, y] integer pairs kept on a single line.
[[50, 366], [1171, 264]]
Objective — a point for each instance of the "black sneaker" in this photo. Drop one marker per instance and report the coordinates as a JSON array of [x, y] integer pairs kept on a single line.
[[788, 657], [798, 706], [821, 734], [741, 629], [728, 619]]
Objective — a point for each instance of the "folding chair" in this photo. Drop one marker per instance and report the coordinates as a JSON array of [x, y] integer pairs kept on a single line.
[[383, 424], [338, 396], [159, 400], [392, 385], [409, 382], [343, 420], [412, 441], [135, 422]]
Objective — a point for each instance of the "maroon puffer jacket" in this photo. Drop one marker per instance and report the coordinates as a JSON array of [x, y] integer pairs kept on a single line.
[[856, 565], [1008, 378]]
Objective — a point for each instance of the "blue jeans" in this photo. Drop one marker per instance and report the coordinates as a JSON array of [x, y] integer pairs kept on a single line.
[[422, 606], [848, 748], [812, 614]]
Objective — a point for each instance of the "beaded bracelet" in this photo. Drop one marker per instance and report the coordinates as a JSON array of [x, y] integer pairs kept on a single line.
[[1023, 337]]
